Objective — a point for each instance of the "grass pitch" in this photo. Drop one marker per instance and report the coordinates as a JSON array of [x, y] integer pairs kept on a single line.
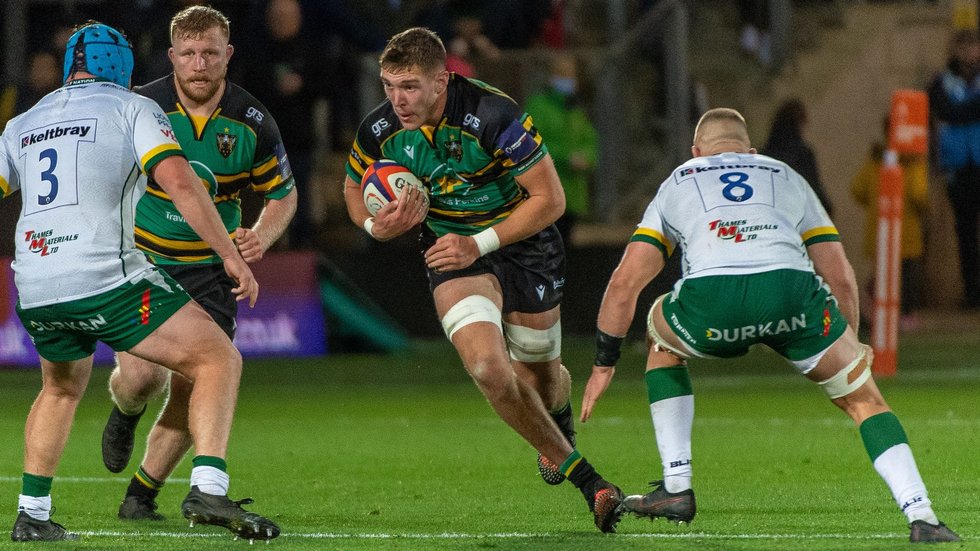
[[402, 452]]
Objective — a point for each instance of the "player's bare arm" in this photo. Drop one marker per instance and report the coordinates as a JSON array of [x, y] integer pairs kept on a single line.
[[830, 262], [544, 205], [640, 264], [177, 178], [268, 228], [393, 219]]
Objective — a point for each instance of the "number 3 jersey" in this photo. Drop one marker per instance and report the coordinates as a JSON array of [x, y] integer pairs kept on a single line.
[[80, 158], [736, 214]]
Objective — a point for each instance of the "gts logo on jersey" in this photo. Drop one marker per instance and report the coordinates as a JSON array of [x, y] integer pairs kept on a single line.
[[51, 133]]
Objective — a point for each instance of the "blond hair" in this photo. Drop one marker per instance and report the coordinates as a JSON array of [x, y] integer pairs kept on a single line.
[[194, 21], [721, 125], [415, 47]]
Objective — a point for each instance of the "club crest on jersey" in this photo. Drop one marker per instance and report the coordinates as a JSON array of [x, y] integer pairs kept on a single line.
[[455, 148], [226, 143]]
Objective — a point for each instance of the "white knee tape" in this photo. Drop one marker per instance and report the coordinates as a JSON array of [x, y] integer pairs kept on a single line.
[[472, 309], [533, 345], [837, 386]]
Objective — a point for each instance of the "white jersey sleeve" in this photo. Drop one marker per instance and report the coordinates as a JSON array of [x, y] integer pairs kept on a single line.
[[736, 214], [79, 158]]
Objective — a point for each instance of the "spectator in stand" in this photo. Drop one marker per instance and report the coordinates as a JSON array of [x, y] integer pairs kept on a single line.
[[787, 144], [43, 76], [755, 39], [864, 188], [572, 140], [954, 98], [552, 33], [468, 44], [286, 73]]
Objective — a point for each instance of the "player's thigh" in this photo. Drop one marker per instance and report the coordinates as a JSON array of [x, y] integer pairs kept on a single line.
[[448, 293], [67, 378], [188, 338], [838, 356], [134, 371]]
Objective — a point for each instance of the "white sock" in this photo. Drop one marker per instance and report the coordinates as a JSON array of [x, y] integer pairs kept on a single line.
[[36, 507], [897, 467], [210, 480], [673, 419]]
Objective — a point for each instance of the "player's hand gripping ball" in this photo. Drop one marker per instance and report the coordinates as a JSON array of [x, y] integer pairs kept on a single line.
[[383, 182]]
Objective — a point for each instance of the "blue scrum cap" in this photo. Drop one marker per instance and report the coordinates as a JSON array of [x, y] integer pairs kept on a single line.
[[101, 50]]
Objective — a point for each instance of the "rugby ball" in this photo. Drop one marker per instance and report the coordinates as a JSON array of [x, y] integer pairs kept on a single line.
[[384, 181]]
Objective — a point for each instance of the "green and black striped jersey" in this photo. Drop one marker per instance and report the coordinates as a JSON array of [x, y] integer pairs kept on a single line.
[[468, 162], [237, 147]]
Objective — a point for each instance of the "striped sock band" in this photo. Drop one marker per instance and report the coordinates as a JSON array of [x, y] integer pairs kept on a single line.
[[147, 480]]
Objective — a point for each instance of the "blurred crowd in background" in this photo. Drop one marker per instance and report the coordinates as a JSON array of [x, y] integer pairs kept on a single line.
[[313, 64]]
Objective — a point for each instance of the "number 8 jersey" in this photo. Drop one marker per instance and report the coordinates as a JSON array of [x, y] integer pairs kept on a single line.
[[80, 158], [736, 214]]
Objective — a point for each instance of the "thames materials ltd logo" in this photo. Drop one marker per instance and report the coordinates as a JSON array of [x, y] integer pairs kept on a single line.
[[43, 243], [738, 230]]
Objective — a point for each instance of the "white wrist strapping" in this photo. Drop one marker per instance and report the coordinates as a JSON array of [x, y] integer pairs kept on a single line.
[[487, 241], [369, 226]]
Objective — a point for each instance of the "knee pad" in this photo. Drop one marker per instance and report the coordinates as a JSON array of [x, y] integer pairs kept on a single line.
[[658, 342], [838, 387], [533, 345], [472, 309]]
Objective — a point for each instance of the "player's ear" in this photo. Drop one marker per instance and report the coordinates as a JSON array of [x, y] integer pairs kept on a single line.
[[442, 81], [170, 54], [753, 150], [230, 50], [695, 151]]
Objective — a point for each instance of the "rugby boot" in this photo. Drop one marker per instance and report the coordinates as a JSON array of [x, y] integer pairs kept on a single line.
[[676, 507], [550, 472], [604, 501], [28, 528], [923, 532], [136, 507], [201, 508], [118, 437]]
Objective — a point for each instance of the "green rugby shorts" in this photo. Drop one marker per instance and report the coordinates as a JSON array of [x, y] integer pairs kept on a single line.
[[120, 317], [790, 311]]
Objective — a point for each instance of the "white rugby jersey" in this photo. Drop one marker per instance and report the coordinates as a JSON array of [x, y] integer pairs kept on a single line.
[[736, 214], [79, 158]]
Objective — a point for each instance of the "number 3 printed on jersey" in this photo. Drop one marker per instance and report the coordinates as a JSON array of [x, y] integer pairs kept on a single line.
[[51, 163]]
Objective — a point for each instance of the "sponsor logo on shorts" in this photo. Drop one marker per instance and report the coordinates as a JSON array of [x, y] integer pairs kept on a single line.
[[90, 324], [145, 308], [736, 334], [45, 242], [681, 329], [540, 289], [826, 321], [738, 230]]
